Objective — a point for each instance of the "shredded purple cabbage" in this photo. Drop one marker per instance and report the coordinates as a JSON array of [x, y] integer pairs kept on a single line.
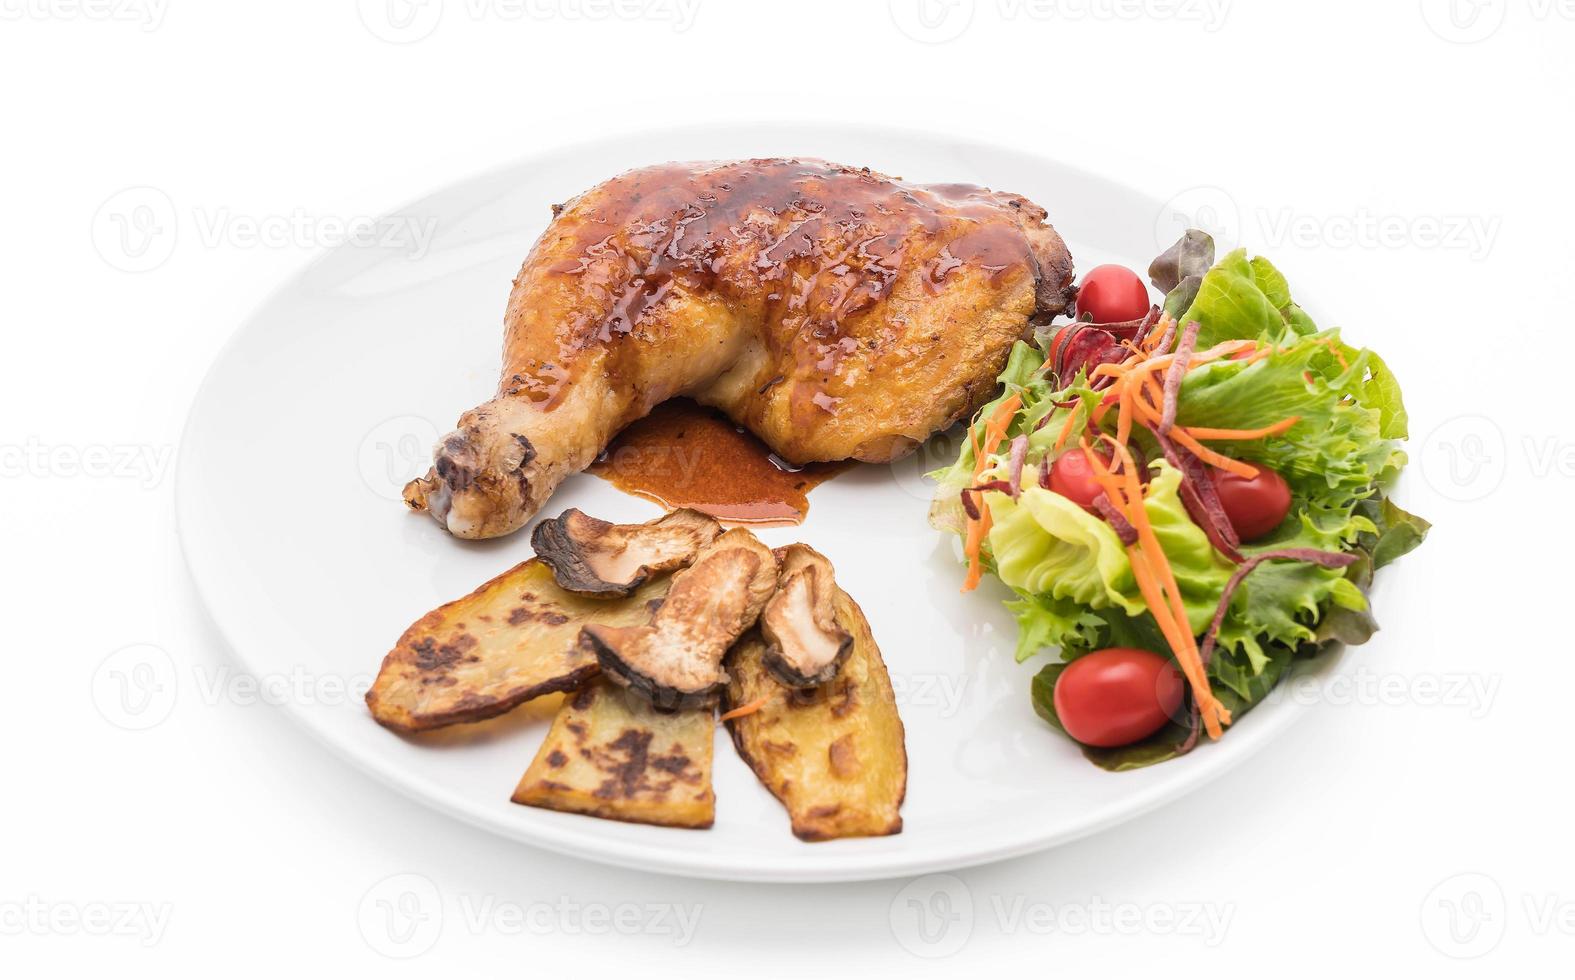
[[1014, 472], [1201, 499], [1123, 528], [1178, 370], [971, 507], [1165, 340], [1325, 559]]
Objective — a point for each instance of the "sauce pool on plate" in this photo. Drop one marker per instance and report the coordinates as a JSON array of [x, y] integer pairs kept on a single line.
[[684, 455]]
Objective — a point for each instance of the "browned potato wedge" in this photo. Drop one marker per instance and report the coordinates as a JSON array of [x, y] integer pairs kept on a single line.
[[610, 754], [834, 755], [511, 640]]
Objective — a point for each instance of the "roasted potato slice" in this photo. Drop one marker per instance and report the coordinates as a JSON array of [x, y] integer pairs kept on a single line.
[[511, 640], [610, 754], [834, 754]]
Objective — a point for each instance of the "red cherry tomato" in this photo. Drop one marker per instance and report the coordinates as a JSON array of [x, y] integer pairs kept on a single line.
[[1073, 478], [1256, 506], [1111, 294], [1117, 696]]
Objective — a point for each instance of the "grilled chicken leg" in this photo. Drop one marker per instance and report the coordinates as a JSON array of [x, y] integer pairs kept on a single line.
[[836, 313]]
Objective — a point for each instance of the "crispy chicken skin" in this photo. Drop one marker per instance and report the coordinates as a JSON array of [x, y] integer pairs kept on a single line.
[[836, 313]]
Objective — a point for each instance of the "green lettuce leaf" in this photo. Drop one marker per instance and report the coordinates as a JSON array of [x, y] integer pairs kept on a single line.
[[1239, 300], [1044, 621], [1045, 545], [1395, 532], [1336, 453], [1074, 587]]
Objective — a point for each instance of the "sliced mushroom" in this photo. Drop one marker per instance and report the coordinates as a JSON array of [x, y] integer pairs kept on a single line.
[[805, 646], [676, 659], [593, 557]]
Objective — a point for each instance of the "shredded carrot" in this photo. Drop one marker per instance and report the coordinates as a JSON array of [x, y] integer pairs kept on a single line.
[[1066, 430], [1244, 470], [1124, 416], [1157, 582], [1344, 364], [1150, 406], [994, 431], [977, 529], [1148, 409], [1198, 432], [1109, 369], [1163, 361], [1107, 482], [1156, 333], [1179, 638], [748, 708], [1105, 404]]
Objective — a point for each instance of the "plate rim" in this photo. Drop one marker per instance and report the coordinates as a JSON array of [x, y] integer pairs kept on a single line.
[[610, 850]]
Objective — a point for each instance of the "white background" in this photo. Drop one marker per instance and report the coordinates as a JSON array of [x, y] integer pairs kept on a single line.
[[1408, 164]]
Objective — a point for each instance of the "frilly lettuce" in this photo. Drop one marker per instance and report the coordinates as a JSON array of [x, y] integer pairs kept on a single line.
[[1045, 546], [1073, 581], [1337, 453], [1244, 299]]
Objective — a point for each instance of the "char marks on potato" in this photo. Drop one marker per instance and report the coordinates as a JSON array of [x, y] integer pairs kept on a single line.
[[510, 640], [611, 754]]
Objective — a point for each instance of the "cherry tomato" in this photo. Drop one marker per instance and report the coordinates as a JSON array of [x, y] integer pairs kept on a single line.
[[1117, 696], [1256, 506], [1111, 294], [1073, 478]]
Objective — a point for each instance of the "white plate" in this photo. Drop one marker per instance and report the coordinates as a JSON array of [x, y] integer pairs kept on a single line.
[[332, 395]]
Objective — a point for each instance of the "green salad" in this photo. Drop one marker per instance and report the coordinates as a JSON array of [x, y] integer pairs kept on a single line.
[[1183, 498]]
